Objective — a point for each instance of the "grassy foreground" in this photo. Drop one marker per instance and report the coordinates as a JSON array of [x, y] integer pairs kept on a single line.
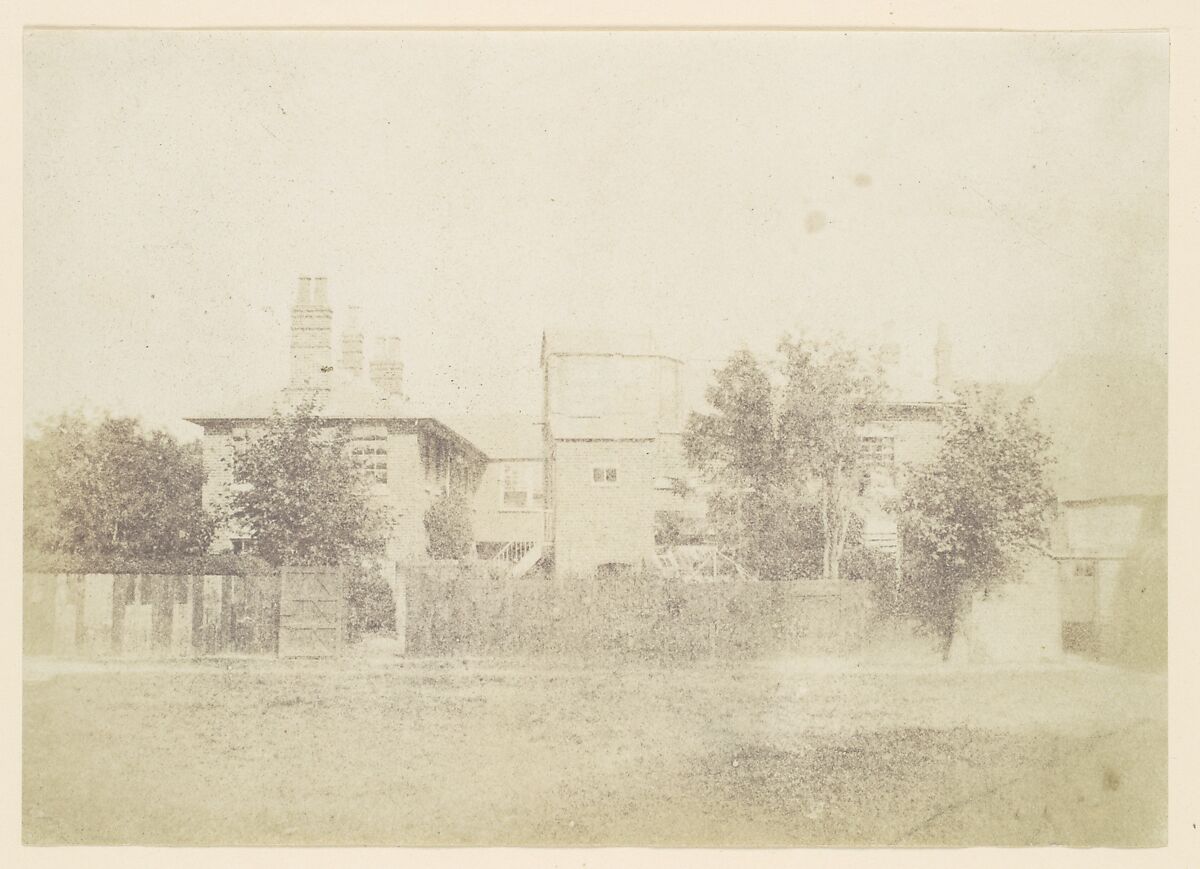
[[474, 753]]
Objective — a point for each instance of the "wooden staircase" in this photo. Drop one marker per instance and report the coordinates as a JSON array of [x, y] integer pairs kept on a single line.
[[517, 557]]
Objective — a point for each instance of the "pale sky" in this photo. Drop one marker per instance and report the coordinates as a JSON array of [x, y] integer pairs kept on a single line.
[[469, 189]]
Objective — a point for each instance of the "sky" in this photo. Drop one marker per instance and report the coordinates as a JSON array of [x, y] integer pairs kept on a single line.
[[469, 189]]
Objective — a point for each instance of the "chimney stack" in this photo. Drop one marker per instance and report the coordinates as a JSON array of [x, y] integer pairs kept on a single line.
[[352, 344], [312, 336], [943, 369], [387, 371]]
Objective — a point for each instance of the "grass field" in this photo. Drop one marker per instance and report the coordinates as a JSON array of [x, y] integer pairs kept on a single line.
[[467, 752]]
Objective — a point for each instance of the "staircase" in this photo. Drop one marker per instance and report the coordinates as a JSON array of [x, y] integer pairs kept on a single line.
[[517, 557]]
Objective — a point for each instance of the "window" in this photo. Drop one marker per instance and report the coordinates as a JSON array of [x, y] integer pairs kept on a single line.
[[521, 487], [877, 451], [369, 454], [241, 545], [1085, 568], [604, 476]]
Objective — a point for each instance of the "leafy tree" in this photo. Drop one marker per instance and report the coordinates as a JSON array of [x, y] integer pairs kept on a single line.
[[781, 454], [967, 518], [108, 488], [448, 527], [828, 397], [301, 497]]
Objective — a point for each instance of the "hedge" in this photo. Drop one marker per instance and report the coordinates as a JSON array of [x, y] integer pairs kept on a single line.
[[221, 564]]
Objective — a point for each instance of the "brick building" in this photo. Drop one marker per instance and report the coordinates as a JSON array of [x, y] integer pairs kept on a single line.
[[588, 480], [614, 417], [408, 454]]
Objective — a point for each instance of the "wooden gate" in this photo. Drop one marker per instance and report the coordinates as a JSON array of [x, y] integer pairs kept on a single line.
[[312, 612]]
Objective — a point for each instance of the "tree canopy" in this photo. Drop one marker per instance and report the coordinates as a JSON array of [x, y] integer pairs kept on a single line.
[[780, 452], [107, 487], [300, 496], [969, 517]]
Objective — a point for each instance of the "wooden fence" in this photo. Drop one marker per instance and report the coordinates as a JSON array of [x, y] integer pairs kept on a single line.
[[94, 615], [460, 610]]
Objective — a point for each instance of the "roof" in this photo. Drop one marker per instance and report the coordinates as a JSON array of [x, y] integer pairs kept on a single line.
[[1107, 416], [345, 401], [502, 436], [595, 342]]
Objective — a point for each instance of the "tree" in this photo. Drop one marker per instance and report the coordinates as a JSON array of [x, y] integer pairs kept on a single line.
[[829, 396], [781, 454], [301, 497], [109, 488], [968, 518]]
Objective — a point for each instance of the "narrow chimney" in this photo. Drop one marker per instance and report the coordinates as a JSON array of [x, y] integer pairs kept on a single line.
[[352, 344], [942, 357], [312, 336], [387, 371]]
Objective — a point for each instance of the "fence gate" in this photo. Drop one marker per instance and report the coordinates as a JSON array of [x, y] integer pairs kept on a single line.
[[312, 605]]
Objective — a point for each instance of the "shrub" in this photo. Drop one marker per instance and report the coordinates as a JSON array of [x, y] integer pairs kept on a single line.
[[370, 603], [448, 526], [879, 571]]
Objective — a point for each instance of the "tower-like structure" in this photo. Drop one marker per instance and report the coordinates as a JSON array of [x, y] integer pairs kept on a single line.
[[612, 423]]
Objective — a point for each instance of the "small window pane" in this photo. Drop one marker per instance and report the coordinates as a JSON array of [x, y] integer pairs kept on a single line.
[[610, 475]]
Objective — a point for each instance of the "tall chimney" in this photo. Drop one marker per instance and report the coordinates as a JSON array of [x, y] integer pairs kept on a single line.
[[943, 376], [312, 336], [352, 344], [387, 371]]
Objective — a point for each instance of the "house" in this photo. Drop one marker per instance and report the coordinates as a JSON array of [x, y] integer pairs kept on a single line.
[[1100, 590], [906, 431], [1107, 415], [508, 508], [408, 453]]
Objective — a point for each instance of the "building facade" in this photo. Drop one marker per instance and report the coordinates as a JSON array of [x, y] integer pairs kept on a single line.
[[614, 417], [408, 456]]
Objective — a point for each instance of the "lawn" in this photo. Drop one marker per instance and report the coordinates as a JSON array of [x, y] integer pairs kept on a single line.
[[398, 751]]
